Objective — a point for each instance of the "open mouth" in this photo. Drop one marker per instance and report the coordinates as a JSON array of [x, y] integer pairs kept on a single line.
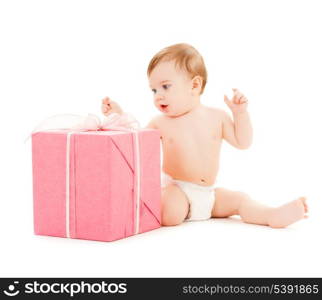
[[164, 106]]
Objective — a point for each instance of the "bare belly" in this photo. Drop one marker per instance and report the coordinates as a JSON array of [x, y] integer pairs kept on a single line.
[[199, 166]]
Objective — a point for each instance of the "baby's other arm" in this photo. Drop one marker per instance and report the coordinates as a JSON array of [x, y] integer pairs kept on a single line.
[[156, 122], [152, 124], [239, 132], [109, 106]]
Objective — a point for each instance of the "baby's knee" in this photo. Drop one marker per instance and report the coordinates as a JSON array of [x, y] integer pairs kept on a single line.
[[174, 208], [229, 200], [170, 214], [170, 219]]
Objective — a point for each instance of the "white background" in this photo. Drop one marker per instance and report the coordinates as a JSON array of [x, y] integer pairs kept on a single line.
[[65, 56]]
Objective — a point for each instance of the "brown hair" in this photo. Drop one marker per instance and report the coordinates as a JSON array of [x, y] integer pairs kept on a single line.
[[184, 55]]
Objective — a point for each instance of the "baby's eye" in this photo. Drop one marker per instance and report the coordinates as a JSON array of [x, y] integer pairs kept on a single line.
[[166, 86]]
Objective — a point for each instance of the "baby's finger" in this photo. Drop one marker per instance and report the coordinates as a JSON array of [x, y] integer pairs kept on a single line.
[[235, 92], [105, 107], [239, 94], [243, 99], [236, 99], [106, 100], [226, 99], [236, 96]]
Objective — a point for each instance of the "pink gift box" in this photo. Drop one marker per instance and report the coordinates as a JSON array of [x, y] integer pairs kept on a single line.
[[96, 185]]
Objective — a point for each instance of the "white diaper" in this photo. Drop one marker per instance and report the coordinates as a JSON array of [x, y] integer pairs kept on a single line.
[[201, 198]]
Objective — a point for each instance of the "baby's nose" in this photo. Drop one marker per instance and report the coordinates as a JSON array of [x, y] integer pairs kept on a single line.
[[159, 97]]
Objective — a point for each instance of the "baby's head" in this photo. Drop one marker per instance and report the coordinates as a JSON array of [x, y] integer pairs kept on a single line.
[[177, 77]]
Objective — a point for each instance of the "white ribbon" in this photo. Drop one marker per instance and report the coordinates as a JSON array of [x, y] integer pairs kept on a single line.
[[80, 124], [138, 182], [67, 182]]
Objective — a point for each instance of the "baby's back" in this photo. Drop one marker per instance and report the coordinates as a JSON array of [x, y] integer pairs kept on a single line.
[[191, 145]]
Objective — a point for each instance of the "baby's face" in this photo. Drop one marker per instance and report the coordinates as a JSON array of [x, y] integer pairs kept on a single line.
[[172, 89]]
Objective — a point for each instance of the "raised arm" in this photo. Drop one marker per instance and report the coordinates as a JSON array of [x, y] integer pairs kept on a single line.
[[109, 106], [237, 132]]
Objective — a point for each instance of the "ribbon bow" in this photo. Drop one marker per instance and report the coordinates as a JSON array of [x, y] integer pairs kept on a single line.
[[91, 122], [87, 123]]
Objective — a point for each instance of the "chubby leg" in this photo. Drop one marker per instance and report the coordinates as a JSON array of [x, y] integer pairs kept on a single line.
[[174, 205], [229, 203]]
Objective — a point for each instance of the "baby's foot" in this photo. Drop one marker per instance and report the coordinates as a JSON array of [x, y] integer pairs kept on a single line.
[[288, 213]]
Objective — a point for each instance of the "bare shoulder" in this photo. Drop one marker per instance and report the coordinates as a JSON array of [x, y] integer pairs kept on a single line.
[[217, 113], [156, 122]]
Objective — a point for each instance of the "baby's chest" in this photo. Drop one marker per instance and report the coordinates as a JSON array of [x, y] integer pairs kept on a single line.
[[190, 135]]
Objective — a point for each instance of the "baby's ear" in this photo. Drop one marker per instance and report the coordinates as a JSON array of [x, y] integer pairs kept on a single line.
[[196, 84]]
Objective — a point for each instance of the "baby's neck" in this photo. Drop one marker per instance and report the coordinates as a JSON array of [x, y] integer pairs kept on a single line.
[[194, 108]]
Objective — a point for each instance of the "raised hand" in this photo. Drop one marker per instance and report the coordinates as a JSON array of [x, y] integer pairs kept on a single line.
[[238, 104], [109, 106]]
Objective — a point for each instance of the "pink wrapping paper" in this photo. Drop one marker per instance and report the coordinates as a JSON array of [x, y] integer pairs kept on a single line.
[[102, 184]]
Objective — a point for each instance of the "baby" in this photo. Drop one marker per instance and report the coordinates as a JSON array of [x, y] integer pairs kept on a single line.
[[191, 135]]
